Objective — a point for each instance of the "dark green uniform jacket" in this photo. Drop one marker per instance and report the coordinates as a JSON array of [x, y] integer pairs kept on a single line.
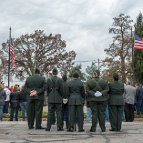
[[76, 92], [35, 82], [116, 90], [94, 85], [55, 89]]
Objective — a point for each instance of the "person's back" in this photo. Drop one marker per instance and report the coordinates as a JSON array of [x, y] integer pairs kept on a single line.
[[130, 93], [34, 89], [77, 94], [116, 90], [139, 99], [14, 104], [7, 91], [55, 99], [36, 82], [116, 103], [76, 101], [2, 98], [97, 95], [54, 89]]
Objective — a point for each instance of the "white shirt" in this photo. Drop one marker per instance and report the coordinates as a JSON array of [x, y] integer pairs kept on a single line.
[[7, 92], [129, 95]]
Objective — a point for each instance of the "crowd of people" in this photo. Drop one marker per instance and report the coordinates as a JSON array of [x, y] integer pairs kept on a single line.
[[67, 98], [12, 101]]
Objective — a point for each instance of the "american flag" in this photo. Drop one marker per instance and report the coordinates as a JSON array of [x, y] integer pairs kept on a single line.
[[138, 43], [12, 53]]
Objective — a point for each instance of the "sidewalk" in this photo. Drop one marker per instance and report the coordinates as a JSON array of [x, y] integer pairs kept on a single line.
[[17, 132]]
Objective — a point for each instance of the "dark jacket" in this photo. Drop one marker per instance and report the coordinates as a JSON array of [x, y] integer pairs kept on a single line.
[[76, 92], [116, 90], [22, 96], [14, 99], [94, 85], [35, 82], [65, 89], [55, 89], [2, 97]]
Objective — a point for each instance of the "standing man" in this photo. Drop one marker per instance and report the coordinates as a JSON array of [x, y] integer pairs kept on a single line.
[[97, 96], [76, 101], [65, 102], [139, 100], [129, 99], [55, 99], [35, 87], [116, 103]]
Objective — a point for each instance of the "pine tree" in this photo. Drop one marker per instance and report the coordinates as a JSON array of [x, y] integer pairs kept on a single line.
[[138, 54]]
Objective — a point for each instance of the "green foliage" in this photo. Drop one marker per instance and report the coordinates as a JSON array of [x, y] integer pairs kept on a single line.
[[77, 69], [90, 69]]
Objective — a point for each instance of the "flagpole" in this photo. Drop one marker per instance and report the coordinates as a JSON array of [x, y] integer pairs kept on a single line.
[[9, 57], [132, 35]]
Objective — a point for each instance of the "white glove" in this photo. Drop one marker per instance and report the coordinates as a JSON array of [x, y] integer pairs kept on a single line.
[[65, 101], [97, 94]]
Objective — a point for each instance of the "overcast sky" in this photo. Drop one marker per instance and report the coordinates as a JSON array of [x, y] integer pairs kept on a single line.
[[83, 24]]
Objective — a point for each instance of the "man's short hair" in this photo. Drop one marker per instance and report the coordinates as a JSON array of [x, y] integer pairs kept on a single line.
[[115, 76], [55, 71], [75, 75], [37, 71], [64, 77]]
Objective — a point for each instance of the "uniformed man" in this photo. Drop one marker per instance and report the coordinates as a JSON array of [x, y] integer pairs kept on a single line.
[[75, 102], [97, 95], [55, 99], [35, 87], [65, 102], [116, 103]]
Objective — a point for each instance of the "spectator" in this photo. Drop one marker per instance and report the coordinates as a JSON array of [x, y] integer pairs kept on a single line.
[[6, 102], [11, 89], [14, 104], [139, 100], [129, 99], [2, 97], [23, 103]]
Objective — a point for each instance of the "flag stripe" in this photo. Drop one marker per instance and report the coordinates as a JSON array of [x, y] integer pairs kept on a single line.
[[138, 43], [12, 56]]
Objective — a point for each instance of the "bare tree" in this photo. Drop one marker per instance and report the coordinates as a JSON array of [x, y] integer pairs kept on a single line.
[[120, 51], [41, 51]]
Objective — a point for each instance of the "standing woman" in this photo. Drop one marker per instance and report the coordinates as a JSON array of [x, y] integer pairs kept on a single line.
[[14, 104], [2, 98], [76, 101], [116, 103]]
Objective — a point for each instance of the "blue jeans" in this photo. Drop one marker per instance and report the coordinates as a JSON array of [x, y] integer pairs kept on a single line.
[[6, 106], [139, 106], [23, 106], [1, 112], [88, 114], [106, 113], [14, 113]]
